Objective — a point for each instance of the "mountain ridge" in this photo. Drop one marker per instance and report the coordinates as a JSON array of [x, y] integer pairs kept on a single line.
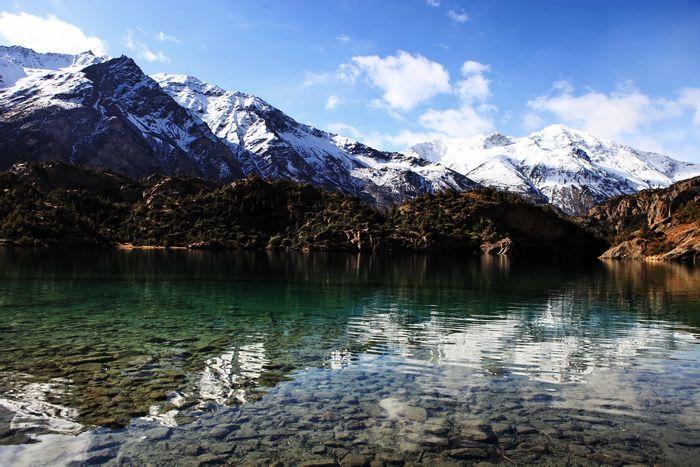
[[560, 165], [107, 113], [274, 145]]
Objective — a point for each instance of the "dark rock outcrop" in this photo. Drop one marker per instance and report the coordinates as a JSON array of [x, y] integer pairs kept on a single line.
[[662, 224]]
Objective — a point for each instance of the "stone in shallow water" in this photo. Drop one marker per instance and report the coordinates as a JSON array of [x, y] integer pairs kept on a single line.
[[344, 436], [525, 429], [89, 367], [477, 430], [209, 459], [434, 441], [500, 428], [193, 450], [397, 409], [326, 462], [436, 426], [355, 460], [579, 449], [159, 433], [469, 453], [220, 449], [220, 431], [99, 457], [387, 460]]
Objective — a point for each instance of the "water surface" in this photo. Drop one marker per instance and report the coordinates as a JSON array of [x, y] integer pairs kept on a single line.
[[152, 356]]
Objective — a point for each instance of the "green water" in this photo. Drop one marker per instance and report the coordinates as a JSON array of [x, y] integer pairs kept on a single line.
[[189, 357]]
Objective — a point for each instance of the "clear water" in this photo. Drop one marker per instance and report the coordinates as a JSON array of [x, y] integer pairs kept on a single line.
[[197, 357]]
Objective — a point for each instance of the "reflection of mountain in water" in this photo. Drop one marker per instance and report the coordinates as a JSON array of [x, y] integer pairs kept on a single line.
[[225, 377], [560, 340]]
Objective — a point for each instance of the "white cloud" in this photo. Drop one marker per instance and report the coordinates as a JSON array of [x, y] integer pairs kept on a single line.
[[406, 79], [433, 3], [346, 130], [343, 38], [458, 16], [332, 102], [609, 115], [383, 141], [532, 121], [471, 67], [690, 98], [142, 50], [403, 139], [474, 115], [473, 88], [47, 34], [163, 37], [313, 79], [462, 122], [626, 114]]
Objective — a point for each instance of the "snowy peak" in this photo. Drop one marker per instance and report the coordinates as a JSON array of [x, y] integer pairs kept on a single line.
[[560, 165], [496, 140], [274, 145], [108, 114], [19, 62]]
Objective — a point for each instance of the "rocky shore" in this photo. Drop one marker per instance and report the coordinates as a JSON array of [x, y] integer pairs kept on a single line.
[[657, 225]]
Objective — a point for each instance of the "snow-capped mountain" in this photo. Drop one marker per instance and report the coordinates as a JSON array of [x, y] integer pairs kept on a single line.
[[108, 114], [19, 62], [274, 145], [104, 113], [568, 168]]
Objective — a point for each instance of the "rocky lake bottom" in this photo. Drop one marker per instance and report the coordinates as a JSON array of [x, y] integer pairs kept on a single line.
[[156, 357]]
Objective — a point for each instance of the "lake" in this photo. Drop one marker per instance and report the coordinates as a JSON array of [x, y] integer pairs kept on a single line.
[[159, 357]]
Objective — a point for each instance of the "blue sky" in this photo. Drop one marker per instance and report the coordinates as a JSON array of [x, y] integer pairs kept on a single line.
[[393, 73]]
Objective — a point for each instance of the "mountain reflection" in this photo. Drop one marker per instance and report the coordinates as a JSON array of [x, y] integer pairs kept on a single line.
[[225, 377]]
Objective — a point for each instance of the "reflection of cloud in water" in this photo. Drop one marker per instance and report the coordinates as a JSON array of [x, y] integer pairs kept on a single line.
[[551, 342], [52, 449], [29, 401], [340, 359], [224, 378]]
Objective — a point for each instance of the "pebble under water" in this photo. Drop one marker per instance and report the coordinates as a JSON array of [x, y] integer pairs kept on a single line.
[[175, 357]]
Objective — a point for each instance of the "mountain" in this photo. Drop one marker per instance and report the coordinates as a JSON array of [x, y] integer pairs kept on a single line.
[[569, 168], [662, 224], [19, 62], [107, 113], [103, 113], [53, 203], [274, 145]]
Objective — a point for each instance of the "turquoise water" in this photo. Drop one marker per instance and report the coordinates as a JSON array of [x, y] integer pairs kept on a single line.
[[203, 357]]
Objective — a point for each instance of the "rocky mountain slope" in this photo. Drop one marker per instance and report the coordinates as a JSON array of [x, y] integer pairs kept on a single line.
[[276, 146], [568, 168], [60, 204], [659, 224], [107, 114]]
